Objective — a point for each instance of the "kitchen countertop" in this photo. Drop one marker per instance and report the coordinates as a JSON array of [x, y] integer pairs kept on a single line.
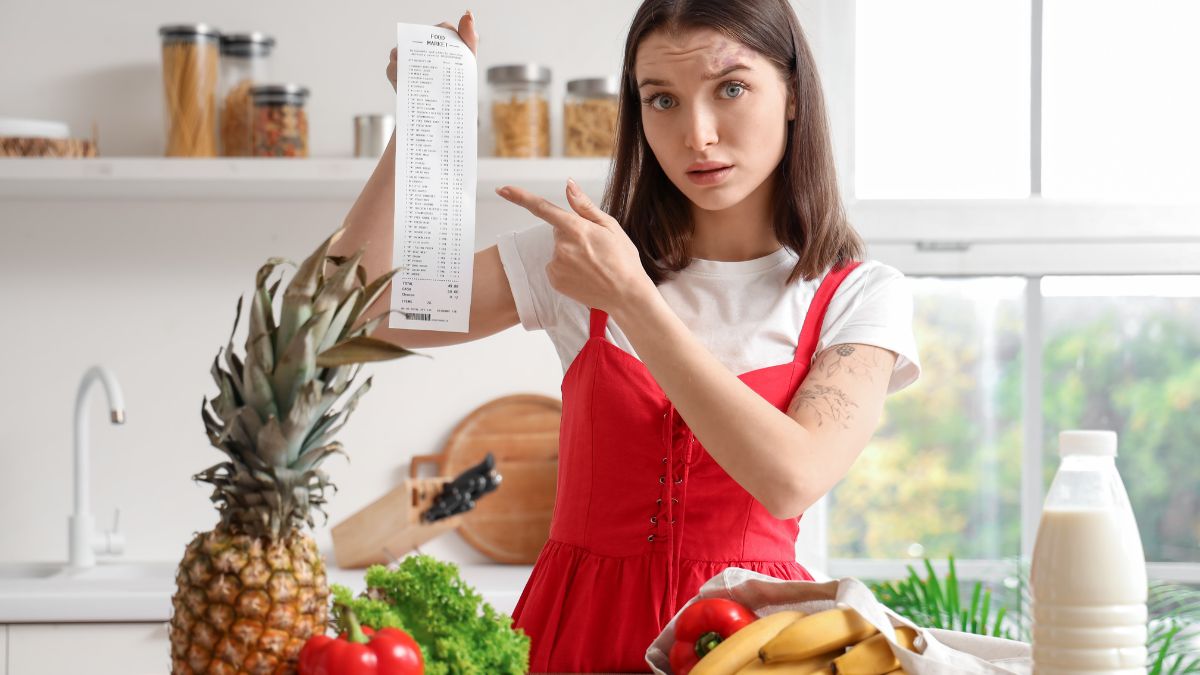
[[140, 591]]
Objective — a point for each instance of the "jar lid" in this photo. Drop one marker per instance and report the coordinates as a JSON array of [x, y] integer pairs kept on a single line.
[[247, 44], [518, 73], [189, 31], [593, 86], [1088, 442], [280, 94]]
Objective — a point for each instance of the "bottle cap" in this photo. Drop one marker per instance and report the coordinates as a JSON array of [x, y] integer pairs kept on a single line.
[[1088, 442]]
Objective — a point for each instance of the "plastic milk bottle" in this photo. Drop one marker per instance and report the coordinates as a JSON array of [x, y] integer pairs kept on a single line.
[[1088, 576]]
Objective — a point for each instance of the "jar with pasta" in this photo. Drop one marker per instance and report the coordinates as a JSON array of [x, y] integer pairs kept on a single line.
[[189, 70], [280, 123], [590, 117], [245, 62], [519, 115]]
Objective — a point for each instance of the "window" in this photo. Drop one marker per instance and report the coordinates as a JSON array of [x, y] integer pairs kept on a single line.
[[1121, 104], [1123, 353], [942, 476], [942, 99], [992, 147], [956, 434]]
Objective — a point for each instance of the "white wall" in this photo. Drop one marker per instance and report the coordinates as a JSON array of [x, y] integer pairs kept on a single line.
[[149, 288]]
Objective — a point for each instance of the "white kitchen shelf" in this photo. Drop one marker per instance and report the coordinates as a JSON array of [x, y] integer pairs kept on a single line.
[[154, 178]]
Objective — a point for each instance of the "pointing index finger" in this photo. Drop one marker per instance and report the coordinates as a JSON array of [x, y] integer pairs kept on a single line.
[[541, 207]]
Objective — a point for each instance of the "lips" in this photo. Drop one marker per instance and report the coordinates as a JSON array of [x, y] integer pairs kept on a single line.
[[706, 166], [708, 173]]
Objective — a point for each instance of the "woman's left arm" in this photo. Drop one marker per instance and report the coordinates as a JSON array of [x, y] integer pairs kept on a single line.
[[787, 461]]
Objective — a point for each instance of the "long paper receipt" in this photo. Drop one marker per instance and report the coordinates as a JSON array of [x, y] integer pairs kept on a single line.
[[433, 240]]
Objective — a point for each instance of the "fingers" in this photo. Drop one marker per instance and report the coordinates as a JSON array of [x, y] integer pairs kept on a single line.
[[466, 30], [541, 207], [584, 206]]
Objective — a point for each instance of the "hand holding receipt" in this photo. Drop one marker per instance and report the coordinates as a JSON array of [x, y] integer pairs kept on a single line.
[[434, 229]]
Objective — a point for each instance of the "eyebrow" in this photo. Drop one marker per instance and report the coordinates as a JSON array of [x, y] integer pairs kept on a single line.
[[707, 76]]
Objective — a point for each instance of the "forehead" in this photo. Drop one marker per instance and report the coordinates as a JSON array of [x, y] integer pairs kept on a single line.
[[703, 49]]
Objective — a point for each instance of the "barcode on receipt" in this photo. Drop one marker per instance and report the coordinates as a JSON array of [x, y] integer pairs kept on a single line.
[[412, 316]]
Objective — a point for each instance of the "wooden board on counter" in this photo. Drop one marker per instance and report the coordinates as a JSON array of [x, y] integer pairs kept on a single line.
[[390, 526], [511, 524]]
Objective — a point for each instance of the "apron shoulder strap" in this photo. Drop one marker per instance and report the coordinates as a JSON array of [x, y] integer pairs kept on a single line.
[[599, 319], [811, 333]]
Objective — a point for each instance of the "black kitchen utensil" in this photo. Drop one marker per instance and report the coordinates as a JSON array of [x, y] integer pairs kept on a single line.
[[460, 494]]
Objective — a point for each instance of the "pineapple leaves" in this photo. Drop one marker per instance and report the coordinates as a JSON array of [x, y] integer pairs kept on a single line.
[[259, 394], [373, 291], [298, 365], [338, 326], [299, 294], [274, 415], [317, 455], [271, 444], [351, 404], [228, 400], [361, 349]]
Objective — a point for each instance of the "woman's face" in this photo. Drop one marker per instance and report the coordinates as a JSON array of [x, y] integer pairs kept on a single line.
[[715, 114]]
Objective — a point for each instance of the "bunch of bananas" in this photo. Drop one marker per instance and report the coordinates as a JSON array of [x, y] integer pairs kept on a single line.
[[836, 641]]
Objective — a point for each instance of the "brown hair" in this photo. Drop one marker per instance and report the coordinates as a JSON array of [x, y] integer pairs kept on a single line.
[[806, 206]]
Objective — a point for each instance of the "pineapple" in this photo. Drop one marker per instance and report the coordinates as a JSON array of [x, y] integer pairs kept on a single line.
[[253, 590]]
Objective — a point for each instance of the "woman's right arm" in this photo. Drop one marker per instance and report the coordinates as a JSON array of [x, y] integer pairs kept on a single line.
[[370, 224]]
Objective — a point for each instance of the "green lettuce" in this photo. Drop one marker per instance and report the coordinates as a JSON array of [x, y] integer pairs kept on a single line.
[[459, 633]]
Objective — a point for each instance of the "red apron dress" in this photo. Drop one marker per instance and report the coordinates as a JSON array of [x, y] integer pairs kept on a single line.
[[643, 515]]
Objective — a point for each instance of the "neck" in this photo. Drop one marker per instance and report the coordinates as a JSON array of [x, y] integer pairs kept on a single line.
[[740, 232]]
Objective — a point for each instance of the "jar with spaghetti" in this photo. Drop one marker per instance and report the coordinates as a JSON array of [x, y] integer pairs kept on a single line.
[[590, 117], [245, 61], [189, 66], [519, 121], [280, 123]]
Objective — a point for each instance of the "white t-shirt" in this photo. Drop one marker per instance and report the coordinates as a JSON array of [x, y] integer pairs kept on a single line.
[[744, 312]]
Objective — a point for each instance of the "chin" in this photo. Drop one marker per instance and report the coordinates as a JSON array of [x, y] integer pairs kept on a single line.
[[716, 198]]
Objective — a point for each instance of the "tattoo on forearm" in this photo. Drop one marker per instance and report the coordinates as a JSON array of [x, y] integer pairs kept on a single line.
[[829, 403], [849, 359]]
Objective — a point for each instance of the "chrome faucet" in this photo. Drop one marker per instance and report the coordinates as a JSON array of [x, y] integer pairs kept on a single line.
[[84, 542]]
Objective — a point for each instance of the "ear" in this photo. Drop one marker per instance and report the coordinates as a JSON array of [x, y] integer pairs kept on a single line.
[[791, 107]]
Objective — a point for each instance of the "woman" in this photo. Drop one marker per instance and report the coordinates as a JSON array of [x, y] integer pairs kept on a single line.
[[726, 355]]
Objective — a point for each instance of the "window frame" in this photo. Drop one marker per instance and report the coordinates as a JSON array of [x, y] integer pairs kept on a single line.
[[1030, 237]]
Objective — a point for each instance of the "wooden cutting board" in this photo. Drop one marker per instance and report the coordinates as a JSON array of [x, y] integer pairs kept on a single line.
[[511, 524]]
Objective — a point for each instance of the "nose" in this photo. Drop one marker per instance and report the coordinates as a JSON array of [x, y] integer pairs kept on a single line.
[[702, 128]]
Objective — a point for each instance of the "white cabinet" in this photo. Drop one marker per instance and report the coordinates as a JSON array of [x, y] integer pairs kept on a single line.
[[93, 648], [3, 650]]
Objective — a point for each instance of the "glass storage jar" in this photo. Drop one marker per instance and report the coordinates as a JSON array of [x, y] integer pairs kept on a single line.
[[189, 71], [245, 62], [519, 115], [280, 123], [590, 117]]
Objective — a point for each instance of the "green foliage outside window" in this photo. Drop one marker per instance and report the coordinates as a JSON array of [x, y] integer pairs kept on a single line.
[[942, 475]]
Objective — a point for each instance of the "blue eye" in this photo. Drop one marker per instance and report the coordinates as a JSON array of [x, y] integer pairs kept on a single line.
[[660, 101], [732, 89]]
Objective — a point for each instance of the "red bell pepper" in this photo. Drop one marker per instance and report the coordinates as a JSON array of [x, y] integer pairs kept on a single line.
[[362, 651], [703, 626]]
